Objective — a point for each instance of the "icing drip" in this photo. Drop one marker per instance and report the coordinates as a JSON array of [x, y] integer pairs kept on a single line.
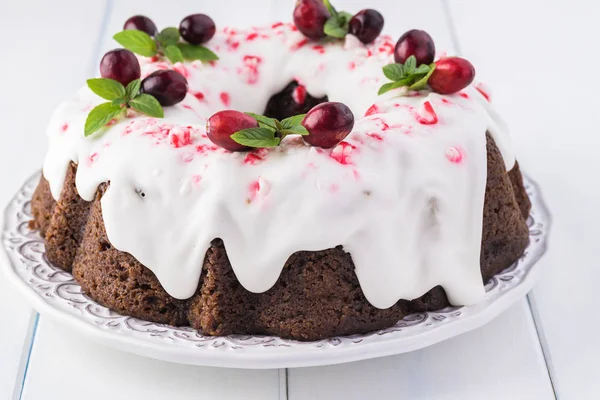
[[403, 194]]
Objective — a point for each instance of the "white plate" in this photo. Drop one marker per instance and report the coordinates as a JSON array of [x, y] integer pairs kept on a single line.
[[55, 294]]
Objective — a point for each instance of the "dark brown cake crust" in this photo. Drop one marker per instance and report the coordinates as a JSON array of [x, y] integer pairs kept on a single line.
[[317, 295]]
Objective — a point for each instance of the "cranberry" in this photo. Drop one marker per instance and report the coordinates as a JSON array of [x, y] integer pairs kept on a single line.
[[310, 17], [223, 124], [366, 25], [197, 28], [328, 124], [120, 65], [283, 104], [168, 86], [451, 75], [141, 23], [415, 43]]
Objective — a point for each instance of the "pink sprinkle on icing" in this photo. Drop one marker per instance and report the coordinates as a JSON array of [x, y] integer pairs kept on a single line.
[[484, 91], [180, 137], [299, 45], [205, 148], [251, 36], [277, 25], [199, 96], [187, 157], [319, 48], [64, 128], [225, 99], [196, 179], [463, 95], [299, 94], [426, 115], [356, 175], [352, 66], [455, 155], [341, 153], [372, 110], [252, 159], [375, 136], [92, 159], [250, 70]]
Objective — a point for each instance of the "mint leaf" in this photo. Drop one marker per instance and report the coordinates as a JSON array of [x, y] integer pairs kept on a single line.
[[393, 85], [256, 137], [119, 101], [409, 65], [191, 52], [100, 116], [137, 41], [264, 122], [295, 130], [168, 36], [108, 89], [421, 83], [330, 8], [423, 69], [174, 54], [394, 72], [133, 88], [290, 122], [148, 105], [336, 27]]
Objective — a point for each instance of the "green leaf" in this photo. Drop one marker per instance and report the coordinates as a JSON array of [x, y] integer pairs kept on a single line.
[[330, 8], [393, 85], [295, 130], [409, 65], [168, 36], [346, 17], [288, 123], [421, 83], [264, 122], [133, 88], [108, 89], [174, 54], [137, 41], [256, 137], [192, 52], [423, 69], [119, 101], [394, 72], [336, 27], [148, 105], [100, 116]]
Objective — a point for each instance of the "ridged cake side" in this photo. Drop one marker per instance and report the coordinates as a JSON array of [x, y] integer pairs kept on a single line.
[[317, 295]]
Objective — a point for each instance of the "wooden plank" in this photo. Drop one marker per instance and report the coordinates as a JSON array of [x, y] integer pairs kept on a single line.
[[65, 365], [528, 50], [499, 361], [46, 60]]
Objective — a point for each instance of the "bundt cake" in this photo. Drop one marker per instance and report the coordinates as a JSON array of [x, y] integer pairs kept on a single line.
[[419, 205]]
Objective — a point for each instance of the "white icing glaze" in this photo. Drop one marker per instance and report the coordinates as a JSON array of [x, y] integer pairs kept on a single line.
[[403, 194]]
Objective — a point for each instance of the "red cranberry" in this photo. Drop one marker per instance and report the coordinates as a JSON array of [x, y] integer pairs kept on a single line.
[[366, 25], [310, 17], [120, 65], [141, 23], [168, 86], [328, 124], [415, 43], [197, 28], [223, 124], [451, 75]]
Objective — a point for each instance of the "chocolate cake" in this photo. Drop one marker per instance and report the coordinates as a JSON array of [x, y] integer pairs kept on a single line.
[[416, 204]]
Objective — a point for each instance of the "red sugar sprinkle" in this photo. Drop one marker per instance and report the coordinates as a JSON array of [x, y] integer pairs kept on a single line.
[[199, 96], [484, 93], [299, 44], [187, 157], [180, 140], [356, 174], [187, 106], [254, 187], [196, 179], [446, 101], [92, 158], [225, 98], [252, 159], [463, 95], [251, 36], [352, 66], [455, 155], [372, 110], [375, 136], [341, 153], [277, 25], [299, 94], [319, 48], [426, 115], [153, 59], [64, 127]]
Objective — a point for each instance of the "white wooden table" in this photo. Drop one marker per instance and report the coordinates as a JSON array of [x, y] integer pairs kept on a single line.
[[541, 59]]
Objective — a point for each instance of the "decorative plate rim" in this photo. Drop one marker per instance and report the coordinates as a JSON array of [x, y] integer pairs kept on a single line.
[[53, 292]]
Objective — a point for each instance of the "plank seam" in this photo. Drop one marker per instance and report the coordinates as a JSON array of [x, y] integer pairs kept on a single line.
[[31, 332], [451, 26], [283, 383], [539, 330]]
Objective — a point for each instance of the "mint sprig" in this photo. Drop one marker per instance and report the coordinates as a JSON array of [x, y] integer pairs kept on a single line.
[[270, 132], [166, 44], [119, 99], [337, 26], [407, 74]]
